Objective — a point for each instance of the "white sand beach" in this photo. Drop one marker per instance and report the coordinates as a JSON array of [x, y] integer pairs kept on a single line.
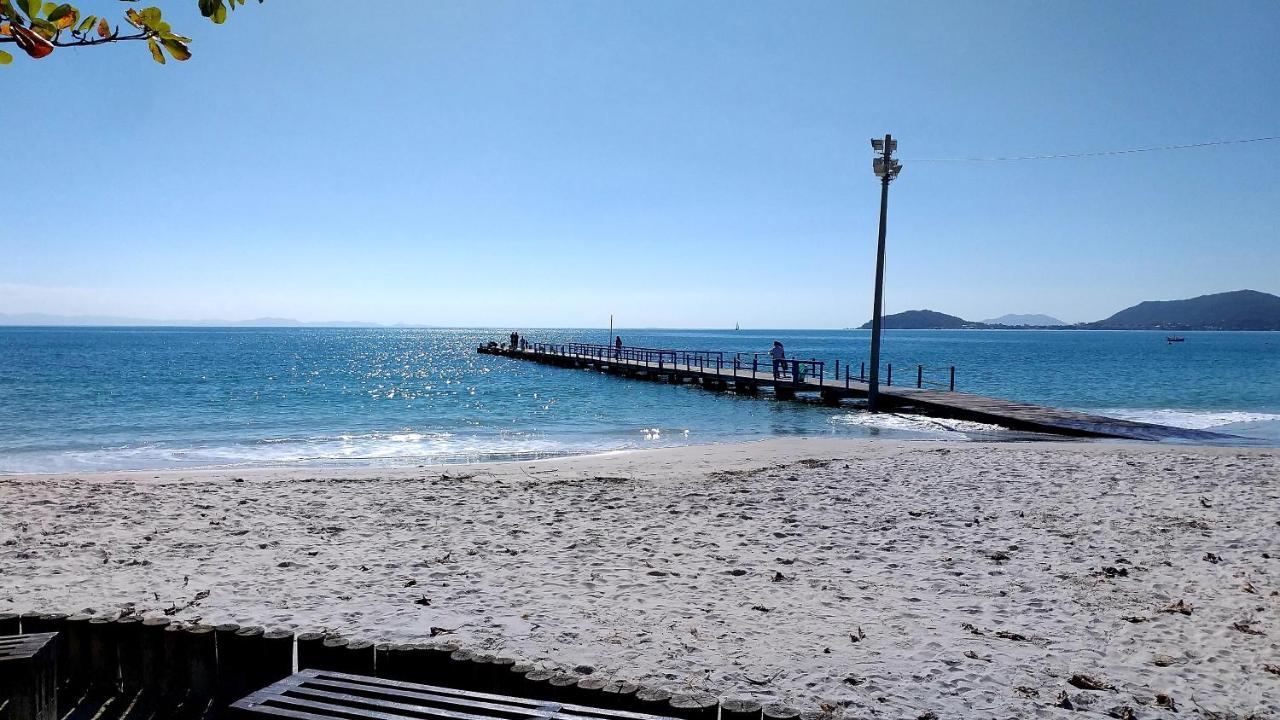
[[869, 578]]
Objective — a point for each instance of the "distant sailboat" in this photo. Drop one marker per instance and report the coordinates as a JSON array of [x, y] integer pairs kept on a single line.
[[735, 326], [1174, 339]]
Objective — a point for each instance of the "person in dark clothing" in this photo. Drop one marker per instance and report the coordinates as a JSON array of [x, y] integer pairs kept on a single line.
[[779, 360], [515, 340], [617, 346]]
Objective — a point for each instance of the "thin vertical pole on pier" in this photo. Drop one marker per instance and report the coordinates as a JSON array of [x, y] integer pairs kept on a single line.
[[919, 376], [846, 376], [837, 368], [953, 378], [862, 372], [755, 362], [873, 375]]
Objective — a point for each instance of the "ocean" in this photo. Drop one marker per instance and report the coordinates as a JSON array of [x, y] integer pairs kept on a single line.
[[89, 399]]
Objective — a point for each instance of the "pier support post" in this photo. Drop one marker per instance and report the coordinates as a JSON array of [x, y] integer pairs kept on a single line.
[[783, 392]]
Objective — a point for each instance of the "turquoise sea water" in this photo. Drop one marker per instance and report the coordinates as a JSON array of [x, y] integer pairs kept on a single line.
[[76, 399]]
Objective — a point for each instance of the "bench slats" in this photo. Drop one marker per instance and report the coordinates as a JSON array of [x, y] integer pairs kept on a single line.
[[325, 695]]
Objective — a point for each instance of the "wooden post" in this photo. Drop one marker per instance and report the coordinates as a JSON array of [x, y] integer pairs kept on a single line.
[[151, 672], [890, 374], [29, 623], [536, 684], [104, 663], [275, 661], [564, 687], [590, 691], [500, 677], [953, 378], [652, 701], [386, 660], [238, 660], [780, 712], [695, 706], [743, 709], [515, 682], [310, 646], [173, 671], [75, 652], [460, 671], [862, 372], [358, 657], [128, 632], [436, 662], [621, 695], [331, 653], [919, 376], [200, 644], [228, 664], [481, 671]]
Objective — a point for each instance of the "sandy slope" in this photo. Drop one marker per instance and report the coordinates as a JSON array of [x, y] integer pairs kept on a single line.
[[885, 579]]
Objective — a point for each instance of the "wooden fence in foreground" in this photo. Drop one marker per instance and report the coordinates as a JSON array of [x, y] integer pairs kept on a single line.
[[154, 668]]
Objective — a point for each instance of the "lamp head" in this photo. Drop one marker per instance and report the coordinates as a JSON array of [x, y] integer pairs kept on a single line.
[[877, 144]]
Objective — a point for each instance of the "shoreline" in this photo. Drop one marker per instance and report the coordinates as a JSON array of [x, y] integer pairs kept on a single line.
[[715, 566]]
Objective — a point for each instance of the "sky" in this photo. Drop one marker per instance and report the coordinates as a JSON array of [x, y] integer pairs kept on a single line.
[[673, 163]]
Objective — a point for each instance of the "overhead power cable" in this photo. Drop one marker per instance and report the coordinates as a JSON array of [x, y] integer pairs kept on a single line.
[[1100, 153]]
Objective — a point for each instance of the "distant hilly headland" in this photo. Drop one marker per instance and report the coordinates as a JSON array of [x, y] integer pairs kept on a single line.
[[1238, 310]]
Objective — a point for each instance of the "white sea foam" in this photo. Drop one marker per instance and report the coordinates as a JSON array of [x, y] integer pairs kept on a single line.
[[1192, 419], [914, 424]]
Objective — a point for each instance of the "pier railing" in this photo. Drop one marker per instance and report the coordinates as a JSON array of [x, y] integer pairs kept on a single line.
[[792, 369], [662, 358]]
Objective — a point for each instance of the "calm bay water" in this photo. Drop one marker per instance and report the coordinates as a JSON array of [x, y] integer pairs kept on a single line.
[[75, 399]]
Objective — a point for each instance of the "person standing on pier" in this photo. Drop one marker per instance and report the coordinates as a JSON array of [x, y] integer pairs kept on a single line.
[[515, 340], [617, 347], [779, 360]]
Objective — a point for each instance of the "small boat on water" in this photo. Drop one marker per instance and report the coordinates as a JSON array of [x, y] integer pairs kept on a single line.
[[1174, 338]]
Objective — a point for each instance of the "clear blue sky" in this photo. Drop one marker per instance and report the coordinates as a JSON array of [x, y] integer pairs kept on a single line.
[[676, 163]]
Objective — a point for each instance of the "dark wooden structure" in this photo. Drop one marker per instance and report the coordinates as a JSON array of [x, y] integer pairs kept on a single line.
[[320, 694], [29, 677], [715, 370]]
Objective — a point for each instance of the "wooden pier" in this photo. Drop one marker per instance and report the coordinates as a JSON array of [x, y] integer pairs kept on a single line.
[[747, 375]]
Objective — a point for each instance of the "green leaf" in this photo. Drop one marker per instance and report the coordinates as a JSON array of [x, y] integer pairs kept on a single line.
[[207, 7], [48, 8], [220, 15], [176, 49], [155, 50], [5, 58], [30, 7], [64, 16], [86, 23]]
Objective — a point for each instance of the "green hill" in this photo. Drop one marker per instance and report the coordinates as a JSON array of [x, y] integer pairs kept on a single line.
[[1239, 310], [922, 320]]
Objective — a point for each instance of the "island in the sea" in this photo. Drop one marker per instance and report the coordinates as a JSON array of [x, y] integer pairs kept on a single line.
[[1238, 310]]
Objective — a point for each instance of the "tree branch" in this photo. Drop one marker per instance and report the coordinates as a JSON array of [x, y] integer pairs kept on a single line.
[[85, 42]]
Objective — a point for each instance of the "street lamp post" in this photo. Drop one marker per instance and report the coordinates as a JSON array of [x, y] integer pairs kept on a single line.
[[887, 169]]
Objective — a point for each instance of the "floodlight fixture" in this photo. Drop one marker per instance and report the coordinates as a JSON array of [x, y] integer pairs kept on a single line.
[[877, 144]]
